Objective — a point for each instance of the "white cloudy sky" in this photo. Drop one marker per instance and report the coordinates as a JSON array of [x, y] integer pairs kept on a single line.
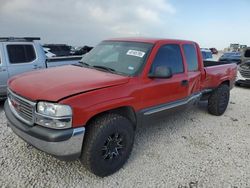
[[79, 22]]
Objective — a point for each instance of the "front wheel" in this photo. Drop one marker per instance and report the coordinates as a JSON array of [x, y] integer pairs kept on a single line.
[[108, 144], [218, 100]]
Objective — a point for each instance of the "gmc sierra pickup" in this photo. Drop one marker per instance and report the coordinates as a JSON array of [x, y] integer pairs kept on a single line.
[[18, 55], [90, 111]]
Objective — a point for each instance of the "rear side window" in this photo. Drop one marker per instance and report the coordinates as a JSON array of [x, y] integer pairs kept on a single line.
[[21, 53], [191, 57], [170, 56]]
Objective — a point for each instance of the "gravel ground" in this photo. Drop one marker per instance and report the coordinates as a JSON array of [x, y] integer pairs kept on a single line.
[[188, 149]]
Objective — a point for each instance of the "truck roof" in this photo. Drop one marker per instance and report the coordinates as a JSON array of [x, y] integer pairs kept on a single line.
[[148, 40]]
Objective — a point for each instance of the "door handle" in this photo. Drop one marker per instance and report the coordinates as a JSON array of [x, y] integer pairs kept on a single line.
[[184, 82]]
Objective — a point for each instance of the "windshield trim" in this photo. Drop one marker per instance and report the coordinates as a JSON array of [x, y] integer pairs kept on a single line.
[[140, 70]]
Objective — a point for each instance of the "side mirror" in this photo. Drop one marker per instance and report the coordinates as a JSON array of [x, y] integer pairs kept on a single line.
[[161, 72]]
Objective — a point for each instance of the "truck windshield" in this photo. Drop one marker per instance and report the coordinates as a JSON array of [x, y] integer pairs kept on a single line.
[[119, 57]]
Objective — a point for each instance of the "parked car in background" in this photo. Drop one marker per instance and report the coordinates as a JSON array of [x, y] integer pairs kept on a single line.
[[234, 47], [59, 49], [19, 55], [243, 74], [245, 55], [243, 47], [214, 50], [231, 57], [48, 53], [243, 61], [206, 54], [92, 113], [82, 50]]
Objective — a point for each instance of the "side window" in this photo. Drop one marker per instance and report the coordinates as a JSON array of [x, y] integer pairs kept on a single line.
[[21, 53], [170, 56], [191, 57]]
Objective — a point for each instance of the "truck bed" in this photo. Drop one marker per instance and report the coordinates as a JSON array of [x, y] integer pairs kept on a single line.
[[217, 73], [216, 63]]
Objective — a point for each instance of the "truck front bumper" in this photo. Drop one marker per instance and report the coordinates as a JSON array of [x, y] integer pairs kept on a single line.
[[63, 144]]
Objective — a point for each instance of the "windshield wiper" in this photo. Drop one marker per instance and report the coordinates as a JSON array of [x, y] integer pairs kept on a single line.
[[105, 68], [81, 63]]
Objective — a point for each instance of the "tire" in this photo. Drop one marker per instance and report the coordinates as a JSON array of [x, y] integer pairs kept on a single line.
[[218, 100], [107, 145]]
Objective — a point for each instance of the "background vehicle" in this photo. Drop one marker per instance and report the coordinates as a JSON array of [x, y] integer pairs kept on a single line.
[[20, 55], [245, 55], [243, 74], [214, 50], [234, 47], [243, 61], [82, 50], [48, 53], [206, 54], [231, 57], [243, 47], [59, 49], [92, 113]]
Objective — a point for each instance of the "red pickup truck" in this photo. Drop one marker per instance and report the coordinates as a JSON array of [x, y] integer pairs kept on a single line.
[[90, 111]]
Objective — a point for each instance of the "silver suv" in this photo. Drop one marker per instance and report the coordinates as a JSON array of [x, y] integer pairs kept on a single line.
[[243, 76]]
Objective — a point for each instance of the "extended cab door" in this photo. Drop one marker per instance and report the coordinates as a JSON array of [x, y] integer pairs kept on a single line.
[[22, 57], [193, 67], [3, 73], [162, 94]]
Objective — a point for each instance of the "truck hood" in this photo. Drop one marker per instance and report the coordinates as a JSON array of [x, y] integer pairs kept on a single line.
[[56, 83]]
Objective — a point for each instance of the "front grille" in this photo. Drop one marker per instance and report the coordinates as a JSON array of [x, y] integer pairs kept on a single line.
[[244, 72], [22, 108]]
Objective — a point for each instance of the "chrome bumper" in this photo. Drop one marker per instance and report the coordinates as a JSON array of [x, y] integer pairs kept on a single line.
[[63, 144], [68, 150]]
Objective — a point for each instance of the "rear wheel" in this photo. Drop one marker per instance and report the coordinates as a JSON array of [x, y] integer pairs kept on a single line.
[[218, 100], [108, 144]]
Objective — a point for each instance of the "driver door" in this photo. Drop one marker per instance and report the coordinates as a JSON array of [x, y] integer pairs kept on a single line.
[[163, 93]]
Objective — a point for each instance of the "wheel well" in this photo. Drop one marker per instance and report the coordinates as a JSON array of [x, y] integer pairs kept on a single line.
[[227, 82], [125, 111], [205, 96]]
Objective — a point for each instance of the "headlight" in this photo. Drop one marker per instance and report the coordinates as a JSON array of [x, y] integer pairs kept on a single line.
[[52, 109], [52, 115]]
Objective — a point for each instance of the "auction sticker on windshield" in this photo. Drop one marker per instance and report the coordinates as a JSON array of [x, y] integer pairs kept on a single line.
[[136, 53]]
